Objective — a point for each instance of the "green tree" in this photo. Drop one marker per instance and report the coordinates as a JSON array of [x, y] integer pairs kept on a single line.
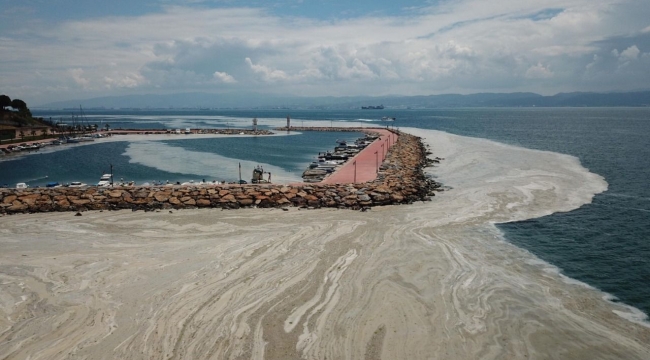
[[5, 101], [44, 132], [107, 127], [33, 133], [22, 135], [18, 104]]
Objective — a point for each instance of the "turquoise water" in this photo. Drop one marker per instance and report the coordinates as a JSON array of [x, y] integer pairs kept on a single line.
[[605, 244]]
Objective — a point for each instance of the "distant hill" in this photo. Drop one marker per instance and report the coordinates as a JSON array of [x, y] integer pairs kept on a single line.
[[255, 100]]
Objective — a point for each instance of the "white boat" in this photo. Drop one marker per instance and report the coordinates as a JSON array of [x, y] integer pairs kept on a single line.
[[105, 180], [21, 186], [77, 184], [386, 118]]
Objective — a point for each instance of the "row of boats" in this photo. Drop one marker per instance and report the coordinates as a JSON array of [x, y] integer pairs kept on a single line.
[[106, 181], [38, 145], [329, 161]]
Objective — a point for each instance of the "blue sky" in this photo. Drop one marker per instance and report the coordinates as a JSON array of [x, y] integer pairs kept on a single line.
[[62, 49]]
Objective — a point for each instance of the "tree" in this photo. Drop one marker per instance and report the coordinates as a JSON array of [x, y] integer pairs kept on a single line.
[[5, 101], [22, 135], [33, 133], [107, 127], [18, 104], [44, 132]]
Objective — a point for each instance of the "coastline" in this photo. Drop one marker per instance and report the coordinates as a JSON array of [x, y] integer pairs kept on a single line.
[[427, 280]]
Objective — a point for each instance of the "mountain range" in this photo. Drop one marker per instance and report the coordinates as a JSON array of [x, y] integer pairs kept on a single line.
[[256, 100]]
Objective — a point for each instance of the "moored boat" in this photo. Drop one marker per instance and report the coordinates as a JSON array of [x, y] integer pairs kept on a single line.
[[105, 180]]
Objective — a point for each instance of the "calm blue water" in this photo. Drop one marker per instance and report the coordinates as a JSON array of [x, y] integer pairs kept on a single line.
[[605, 244], [87, 163]]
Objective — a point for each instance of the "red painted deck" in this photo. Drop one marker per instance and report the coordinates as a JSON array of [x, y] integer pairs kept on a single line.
[[363, 167]]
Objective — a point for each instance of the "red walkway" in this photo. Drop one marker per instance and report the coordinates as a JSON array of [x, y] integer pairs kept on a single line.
[[365, 162]]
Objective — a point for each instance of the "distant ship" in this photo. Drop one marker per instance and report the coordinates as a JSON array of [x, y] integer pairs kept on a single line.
[[379, 107]]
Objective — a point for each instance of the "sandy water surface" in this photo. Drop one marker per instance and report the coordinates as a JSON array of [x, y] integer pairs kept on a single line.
[[428, 281]]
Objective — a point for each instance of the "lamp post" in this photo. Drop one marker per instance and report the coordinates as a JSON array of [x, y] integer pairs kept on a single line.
[[377, 161], [355, 170], [383, 156]]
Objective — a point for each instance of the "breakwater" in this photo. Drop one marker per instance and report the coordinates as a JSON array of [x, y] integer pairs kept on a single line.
[[400, 180]]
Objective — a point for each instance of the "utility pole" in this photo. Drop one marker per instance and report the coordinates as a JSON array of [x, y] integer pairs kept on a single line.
[[377, 161], [355, 171], [111, 175]]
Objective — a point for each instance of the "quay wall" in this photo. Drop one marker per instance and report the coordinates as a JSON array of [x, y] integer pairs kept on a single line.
[[400, 180]]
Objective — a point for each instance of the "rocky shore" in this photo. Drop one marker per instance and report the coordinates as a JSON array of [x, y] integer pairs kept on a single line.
[[400, 180]]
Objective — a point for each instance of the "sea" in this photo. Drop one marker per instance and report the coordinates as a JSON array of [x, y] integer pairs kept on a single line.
[[605, 244]]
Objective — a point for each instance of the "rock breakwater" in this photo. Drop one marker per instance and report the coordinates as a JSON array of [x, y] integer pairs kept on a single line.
[[400, 180]]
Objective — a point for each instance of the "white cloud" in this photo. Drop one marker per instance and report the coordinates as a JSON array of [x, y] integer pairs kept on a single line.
[[629, 54], [77, 76], [267, 73], [224, 77], [538, 71], [127, 81], [464, 46]]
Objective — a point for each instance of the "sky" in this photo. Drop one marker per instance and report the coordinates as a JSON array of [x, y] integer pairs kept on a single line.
[[53, 50]]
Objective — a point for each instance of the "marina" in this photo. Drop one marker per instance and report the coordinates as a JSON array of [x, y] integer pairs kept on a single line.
[[208, 158], [329, 163]]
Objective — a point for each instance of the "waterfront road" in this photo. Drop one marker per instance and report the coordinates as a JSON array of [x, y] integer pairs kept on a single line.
[[363, 167]]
